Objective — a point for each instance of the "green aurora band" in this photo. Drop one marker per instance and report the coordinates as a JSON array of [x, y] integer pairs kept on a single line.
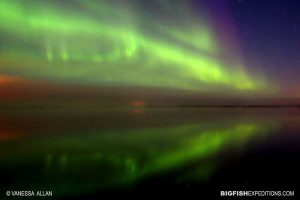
[[116, 42]]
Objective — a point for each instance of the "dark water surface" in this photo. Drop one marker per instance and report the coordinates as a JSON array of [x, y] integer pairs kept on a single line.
[[92, 152]]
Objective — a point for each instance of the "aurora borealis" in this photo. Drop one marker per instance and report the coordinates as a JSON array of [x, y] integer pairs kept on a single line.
[[149, 97], [118, 42]]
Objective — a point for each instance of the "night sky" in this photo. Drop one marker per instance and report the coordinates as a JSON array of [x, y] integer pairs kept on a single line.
[[238, 47], [269, 35]]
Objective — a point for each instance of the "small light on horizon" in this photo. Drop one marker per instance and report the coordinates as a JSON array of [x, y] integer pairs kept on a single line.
[[138, 103]]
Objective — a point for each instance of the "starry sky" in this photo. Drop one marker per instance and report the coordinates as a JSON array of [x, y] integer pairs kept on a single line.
[[246, 47], [269, 36]]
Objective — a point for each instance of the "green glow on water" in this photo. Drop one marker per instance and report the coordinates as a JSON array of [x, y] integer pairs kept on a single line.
[[122, 158]]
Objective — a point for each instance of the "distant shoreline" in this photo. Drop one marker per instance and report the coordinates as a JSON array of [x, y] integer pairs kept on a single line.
[[229, 106], [99, 106]]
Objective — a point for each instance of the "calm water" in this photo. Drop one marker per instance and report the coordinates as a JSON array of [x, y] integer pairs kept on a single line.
[[88, 152]]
